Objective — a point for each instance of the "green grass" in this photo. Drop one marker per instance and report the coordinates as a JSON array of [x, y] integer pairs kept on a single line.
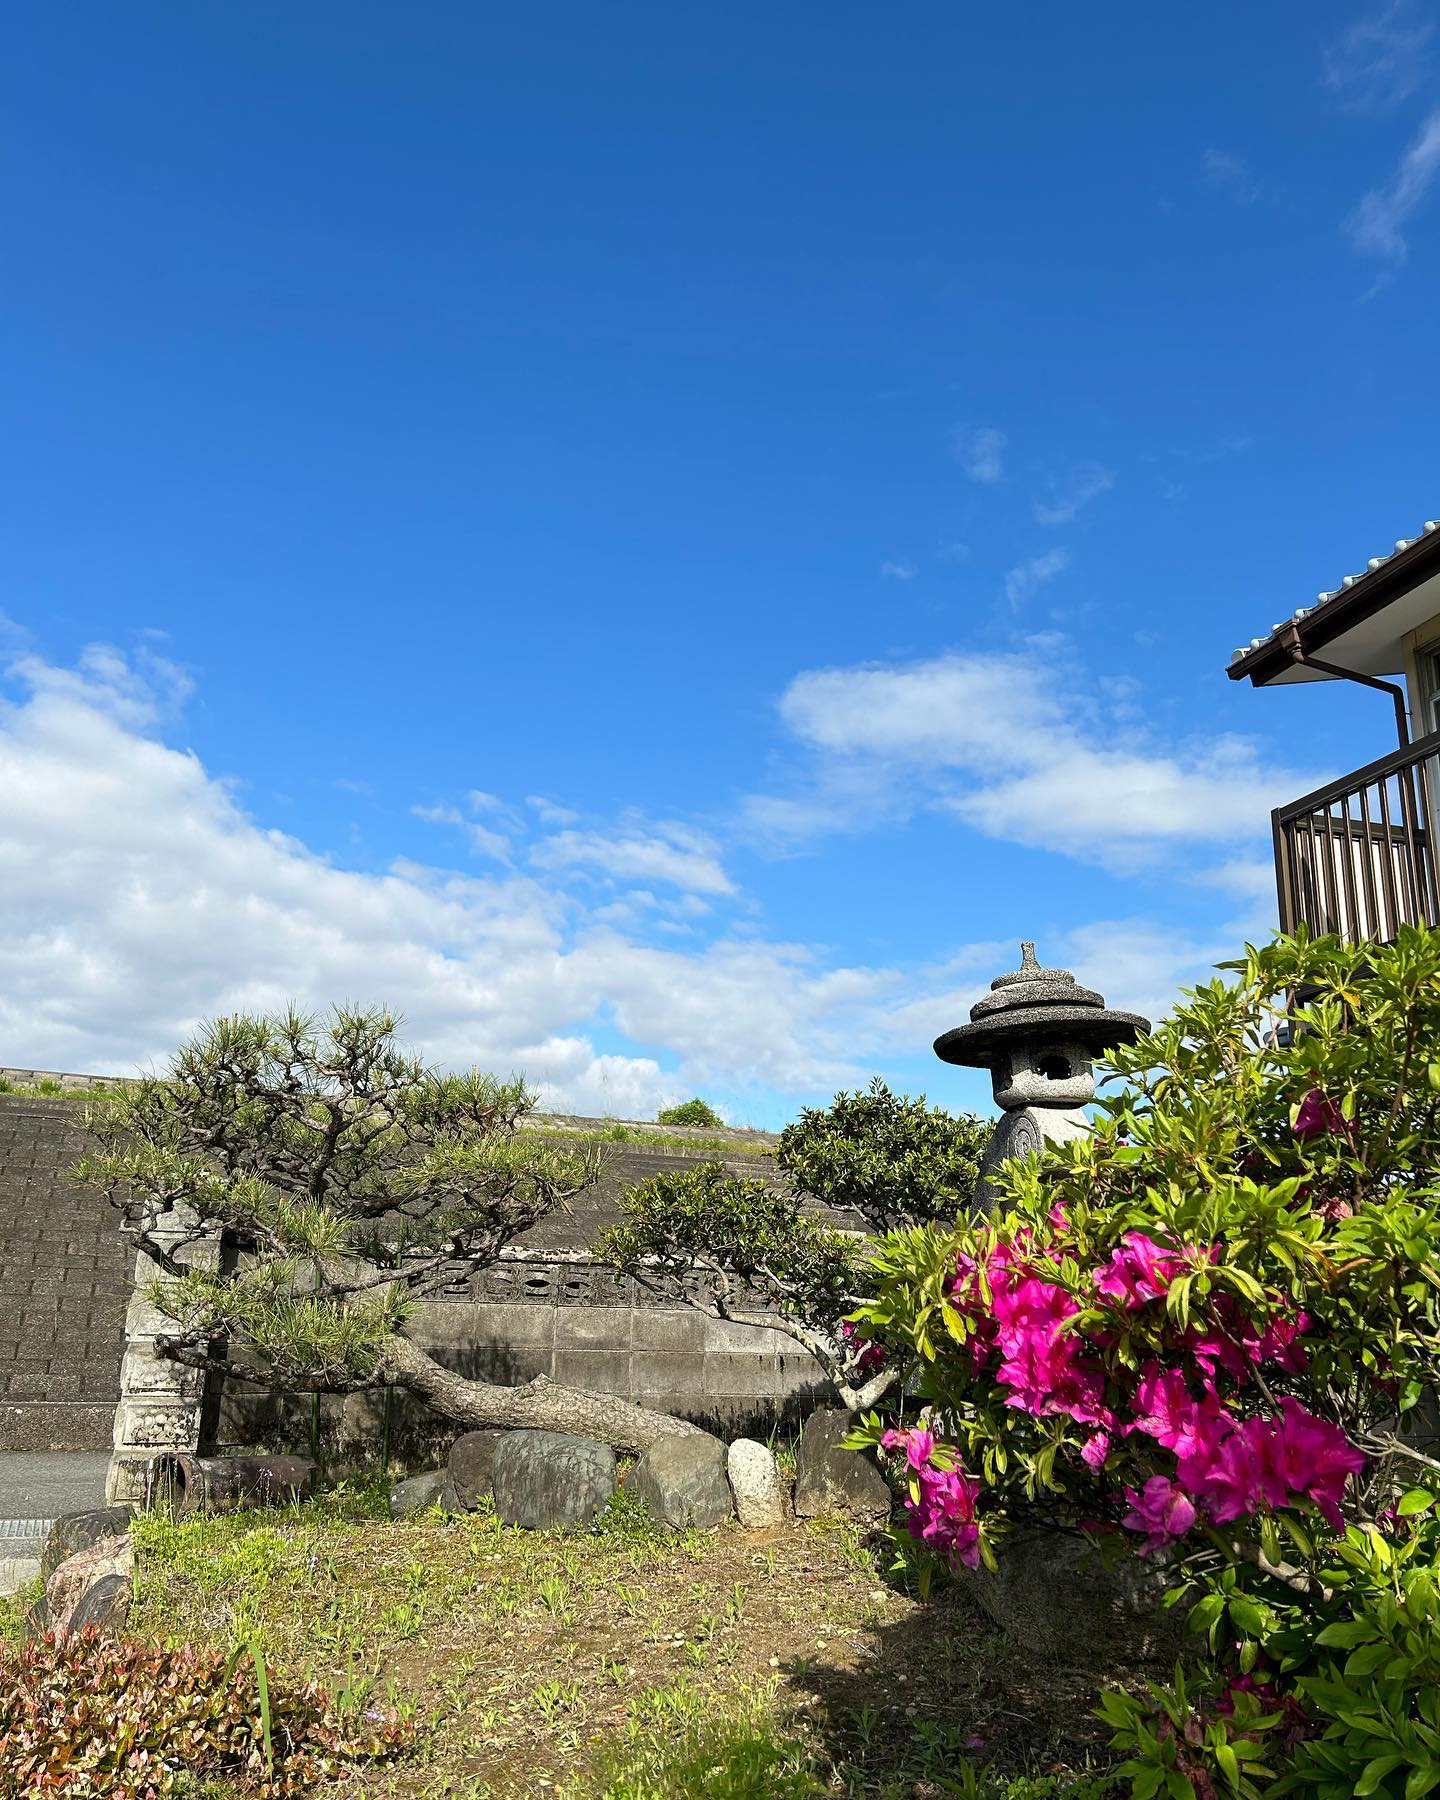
[[620, 1662], [656, 1138], [52, 1090]]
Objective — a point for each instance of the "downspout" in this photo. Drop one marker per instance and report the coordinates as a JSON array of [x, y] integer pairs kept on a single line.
[[1290, 638]]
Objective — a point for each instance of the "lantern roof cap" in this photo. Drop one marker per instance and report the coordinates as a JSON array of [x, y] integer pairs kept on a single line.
[[1030, 1003]]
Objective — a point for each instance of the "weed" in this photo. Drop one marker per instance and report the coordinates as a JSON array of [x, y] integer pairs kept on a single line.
[[553, 1700]]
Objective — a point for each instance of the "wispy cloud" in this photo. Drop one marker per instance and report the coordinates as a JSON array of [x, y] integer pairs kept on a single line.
[[1230, 175], [1028, 578], [549, 812], [481, 839], [1376, 227], [1382, 58], [670, 853], [1067, 495], [980, 451], [998, 744], [897, 571]]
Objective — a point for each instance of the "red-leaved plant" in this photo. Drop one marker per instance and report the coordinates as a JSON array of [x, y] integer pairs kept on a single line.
[[91, 1718]]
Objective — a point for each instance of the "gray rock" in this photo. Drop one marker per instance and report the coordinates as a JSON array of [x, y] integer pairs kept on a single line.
[[472, 1466], [548, 1480], [110, 1560], [830, 1480], [105, 1604], [73, 1532], [1052, 1595], [418, 1493], [755, 1482], [682, 1481]]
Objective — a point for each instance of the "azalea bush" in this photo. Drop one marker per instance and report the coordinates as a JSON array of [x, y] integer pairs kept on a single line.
[[89, 1718], [1209, 1332]]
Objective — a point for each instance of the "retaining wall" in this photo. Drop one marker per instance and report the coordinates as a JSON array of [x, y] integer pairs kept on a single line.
[[65, 1272]]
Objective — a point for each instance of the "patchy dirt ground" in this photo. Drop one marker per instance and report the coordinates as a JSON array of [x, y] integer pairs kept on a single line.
[[534, 1661]]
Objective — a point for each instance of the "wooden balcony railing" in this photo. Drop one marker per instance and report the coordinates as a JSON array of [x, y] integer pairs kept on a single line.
[[1358, 857]]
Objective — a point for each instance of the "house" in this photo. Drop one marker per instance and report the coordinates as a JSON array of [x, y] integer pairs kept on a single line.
[[1358, 856]]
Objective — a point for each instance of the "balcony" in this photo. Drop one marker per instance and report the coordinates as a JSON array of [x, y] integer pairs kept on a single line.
[[1358, 857]]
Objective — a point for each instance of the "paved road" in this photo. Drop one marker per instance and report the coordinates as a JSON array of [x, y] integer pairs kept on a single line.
[[42, 1484]]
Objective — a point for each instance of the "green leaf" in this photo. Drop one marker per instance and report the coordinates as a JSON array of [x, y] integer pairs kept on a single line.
[[1345, 1634], [1376, 1770], [1247, 1615], [1417, 1500]]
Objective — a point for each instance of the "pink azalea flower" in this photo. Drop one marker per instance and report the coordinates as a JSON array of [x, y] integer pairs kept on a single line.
[[918, 1445], [1318, 1117], [1315, 1458], [941, 1514], [1162, 1512], [1138, 1271], [1166, 1410], [1095, 1449], [868, 1357]]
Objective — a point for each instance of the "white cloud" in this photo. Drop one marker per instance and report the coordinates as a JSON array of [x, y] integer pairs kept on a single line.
[[897, 571], [1013, 748], [980, 452], [548, 812], [141, 899], [481, 839], [1376, 227], [671, 853], [1027, 578], [1382, 58], [1230, 175], [1067, 495]]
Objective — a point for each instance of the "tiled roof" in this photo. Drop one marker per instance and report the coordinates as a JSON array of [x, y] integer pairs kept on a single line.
[[1350, 581]]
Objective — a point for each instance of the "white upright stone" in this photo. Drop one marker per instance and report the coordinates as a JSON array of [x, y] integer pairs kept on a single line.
[[755, 1482]]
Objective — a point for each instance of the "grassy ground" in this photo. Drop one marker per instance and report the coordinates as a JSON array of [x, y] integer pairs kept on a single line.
[[647, 1137], [615, 1664]]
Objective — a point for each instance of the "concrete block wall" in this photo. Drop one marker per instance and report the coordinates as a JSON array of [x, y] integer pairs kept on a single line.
[[732, 1379], [65, 1281], [64, 1284]]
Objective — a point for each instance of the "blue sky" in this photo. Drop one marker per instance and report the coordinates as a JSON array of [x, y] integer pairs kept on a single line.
[[662, 540]]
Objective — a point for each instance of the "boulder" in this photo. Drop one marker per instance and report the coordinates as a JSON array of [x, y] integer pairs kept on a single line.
[[548, 1480], [1053, 1596], [105, 1604], [69, 1585], [682, 1481], [472, 1465], [76, 1531], [418, 1493], [829, 1480], [759, 1493]]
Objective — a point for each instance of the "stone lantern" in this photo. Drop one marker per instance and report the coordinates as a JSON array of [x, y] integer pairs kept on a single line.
[[1037, 1032]]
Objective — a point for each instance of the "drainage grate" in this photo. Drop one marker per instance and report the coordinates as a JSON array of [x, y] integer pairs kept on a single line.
[[14, 1532]]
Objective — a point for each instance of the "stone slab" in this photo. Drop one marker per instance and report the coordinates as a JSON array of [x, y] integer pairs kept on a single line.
[[17, 1572]]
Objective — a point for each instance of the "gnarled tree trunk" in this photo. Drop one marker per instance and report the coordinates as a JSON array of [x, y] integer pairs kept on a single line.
[[540, 1405]]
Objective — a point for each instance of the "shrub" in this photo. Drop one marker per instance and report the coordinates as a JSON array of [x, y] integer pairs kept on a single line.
[[1208, 1329], [690, 1112], [761, 1253], [893, 1160], [89, 1718]]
